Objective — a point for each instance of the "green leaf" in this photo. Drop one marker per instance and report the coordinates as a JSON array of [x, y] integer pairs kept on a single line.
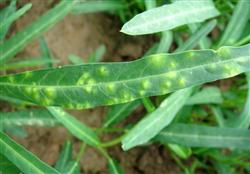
[[90, 85], [205, 136], [95, 6], [65, 156], [46, 54], [208, 95], [4, 15], [237, 23], [39, 117], [182, 152], [23, 159], [119, 112], [97, 55], [8, 21], [17, 42], [170, 16], [30, 62], [7, 166], [16, 131], [114, 167], [72, 168], [75, 127], [75, 59], [153, 123]]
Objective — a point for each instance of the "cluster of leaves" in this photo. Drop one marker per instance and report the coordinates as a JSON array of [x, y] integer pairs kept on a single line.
[[186, 118]]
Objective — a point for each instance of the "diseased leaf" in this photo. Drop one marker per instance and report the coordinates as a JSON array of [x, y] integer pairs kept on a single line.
[[17, 42], [90, 85], [170, 16], [39, 117], [208, 95], [205, 136], [153, 123], [114, 167], [23, 159], [75, 127]]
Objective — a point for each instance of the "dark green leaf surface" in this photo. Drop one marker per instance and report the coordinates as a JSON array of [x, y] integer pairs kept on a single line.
[[153, 123], [7, 166], [24, 160], [170, 16], [28, 118], [12, 46], [77, 128], [205, 136], [90, 85]]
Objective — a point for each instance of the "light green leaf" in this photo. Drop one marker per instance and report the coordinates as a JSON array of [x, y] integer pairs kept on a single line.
[[39, 117], [95, 6], [237, 23], [23, 159], [46, 54], [17, 42], [153, 123], [114, 167], [119, 112], [97, 55], [182, 152], [205, 136], [72, 168], [90, 85], [75, 127], [170, 16], [76, 60], [208, 95]]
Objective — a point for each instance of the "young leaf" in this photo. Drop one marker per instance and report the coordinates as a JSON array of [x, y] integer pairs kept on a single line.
[[208, 95], [46, 54], [23, 159], [119, 112], [170, 16], [153, 123], [205, 136], [37, 117], [95, 6], [90, 85], [114, 167], [12, 46], [72, 168], [97, 55], [77, 128]]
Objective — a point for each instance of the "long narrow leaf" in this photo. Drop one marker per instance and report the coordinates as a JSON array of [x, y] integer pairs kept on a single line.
[[77, 128], [205, 136], [114, 167], [170, 16], [90, 85], [23, 159], [152, 124], [12, 46]]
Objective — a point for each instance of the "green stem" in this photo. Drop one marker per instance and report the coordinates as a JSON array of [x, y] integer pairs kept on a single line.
[[148, 104], [243, 41], [113, 142]]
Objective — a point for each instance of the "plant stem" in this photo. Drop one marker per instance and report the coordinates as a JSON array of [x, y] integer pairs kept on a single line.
[[112, 142], [148, 104]]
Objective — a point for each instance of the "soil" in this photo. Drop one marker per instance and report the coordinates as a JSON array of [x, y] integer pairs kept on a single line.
[[81, 35]]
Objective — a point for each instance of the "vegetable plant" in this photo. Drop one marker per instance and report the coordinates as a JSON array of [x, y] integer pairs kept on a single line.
[[176, 82]]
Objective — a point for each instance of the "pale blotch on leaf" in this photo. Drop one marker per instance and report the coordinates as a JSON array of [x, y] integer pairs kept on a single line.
[[28, 74], [142, 93], [110, 87], [224, 52], [157, 60], [171, 75], [190, 54], [85, 76], [103, 71], [50, 92], [11, 79], [231, 69], [90, 81], [47, 102], [182, 82], [146, 84], [173, 64], [88, 88]]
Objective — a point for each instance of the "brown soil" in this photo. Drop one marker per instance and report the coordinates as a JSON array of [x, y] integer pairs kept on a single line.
[[80, 35]]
